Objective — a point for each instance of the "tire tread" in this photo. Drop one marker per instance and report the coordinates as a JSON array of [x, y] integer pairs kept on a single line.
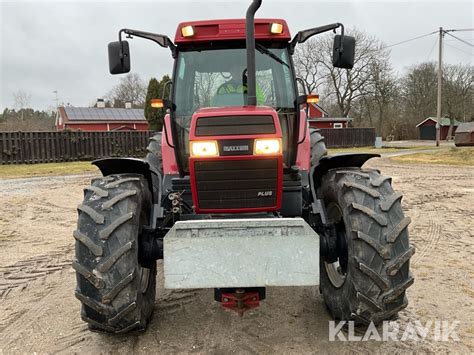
[[379, 271], [109, 276]]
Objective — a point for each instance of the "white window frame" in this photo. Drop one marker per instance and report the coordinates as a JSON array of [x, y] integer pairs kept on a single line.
[[338, 125]]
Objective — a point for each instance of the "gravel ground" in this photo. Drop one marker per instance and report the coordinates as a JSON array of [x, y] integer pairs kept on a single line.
[[38, 311]]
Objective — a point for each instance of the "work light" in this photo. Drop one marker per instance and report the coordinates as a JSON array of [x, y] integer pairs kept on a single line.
[[187, 31], [276, 28]]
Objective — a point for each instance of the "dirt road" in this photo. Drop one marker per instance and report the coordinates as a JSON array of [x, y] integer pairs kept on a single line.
[[38, 311]]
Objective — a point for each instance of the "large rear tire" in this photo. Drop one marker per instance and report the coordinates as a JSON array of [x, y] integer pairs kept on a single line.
[[318, 147], [368, 281], [116, 292], [154, 155]]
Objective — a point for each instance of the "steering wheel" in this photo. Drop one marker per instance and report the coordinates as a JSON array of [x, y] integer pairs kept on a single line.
[[226, 77]]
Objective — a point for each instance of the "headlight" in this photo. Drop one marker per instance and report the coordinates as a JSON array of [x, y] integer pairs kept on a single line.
[[204, 149], [267, 146]]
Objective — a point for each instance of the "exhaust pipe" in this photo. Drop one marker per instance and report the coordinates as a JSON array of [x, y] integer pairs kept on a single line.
[[250, 44]]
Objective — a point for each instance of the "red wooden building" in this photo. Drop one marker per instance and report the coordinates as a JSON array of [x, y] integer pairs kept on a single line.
[[465, 135], [318, 118], [316, 111], [101, 119], [330, 122], [427, 128]]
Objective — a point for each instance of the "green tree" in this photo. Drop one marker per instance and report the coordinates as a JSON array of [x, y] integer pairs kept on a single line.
[[155, 116]]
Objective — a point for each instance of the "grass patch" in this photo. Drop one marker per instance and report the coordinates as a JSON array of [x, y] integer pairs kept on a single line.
[[467, 291], [375, 150], [452, 156], [48, 169]]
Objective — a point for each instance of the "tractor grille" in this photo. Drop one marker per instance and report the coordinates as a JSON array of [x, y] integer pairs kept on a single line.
[[234, 125], [236, 184]]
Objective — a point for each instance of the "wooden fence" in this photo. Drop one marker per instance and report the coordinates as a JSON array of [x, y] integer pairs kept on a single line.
[[49, 147], [349, 137]]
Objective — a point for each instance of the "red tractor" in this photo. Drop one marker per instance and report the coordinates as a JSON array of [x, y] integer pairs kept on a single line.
[[238, 193]]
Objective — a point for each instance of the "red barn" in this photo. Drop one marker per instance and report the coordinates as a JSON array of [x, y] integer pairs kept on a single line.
[[427, 128], [316, 111], [101, 119], [330, 122], [318, 118]]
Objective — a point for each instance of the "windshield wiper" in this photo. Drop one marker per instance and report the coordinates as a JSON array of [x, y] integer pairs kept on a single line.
[[264, 50]]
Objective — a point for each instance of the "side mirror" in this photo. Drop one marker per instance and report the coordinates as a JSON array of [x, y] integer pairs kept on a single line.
[[343, 52], [119, 57]]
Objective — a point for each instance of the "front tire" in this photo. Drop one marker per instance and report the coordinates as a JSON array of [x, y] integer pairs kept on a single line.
[[117, 294], [367, 282]]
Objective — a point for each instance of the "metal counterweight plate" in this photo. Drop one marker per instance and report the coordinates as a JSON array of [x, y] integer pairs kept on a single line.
[[241, 253]]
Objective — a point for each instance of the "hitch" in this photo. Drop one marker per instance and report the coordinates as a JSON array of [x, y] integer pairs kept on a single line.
[[240, 300]]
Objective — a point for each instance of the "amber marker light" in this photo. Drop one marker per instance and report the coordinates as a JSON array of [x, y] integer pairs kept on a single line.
[[312, 99], [157, 103]]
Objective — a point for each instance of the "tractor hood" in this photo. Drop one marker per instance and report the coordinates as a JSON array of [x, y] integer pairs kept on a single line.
[[237, 110], [229, 136], [235, 121]]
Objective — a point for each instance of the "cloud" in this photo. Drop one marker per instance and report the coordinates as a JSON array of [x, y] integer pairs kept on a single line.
[[47, 46]]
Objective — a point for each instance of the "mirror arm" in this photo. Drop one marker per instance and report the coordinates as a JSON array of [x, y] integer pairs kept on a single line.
[[302, 82], [169, 82], [303, 36], [162, 40]]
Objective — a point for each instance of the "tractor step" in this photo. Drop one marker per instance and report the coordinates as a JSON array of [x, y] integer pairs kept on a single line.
[[241, 253]]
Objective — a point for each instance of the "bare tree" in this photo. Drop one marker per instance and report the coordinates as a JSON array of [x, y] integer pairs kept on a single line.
[[347, 86], [131, 88], [458, 93], [419, 91], [383, 89], [307, 59], [374, 95], [341, 86], [22, 102], [33, 120], [419, 85]]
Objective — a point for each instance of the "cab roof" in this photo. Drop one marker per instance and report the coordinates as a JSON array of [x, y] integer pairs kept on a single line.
[[230, 29]]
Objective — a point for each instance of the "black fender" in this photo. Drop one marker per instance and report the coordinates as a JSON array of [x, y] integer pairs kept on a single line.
[[110, 166], [354, 160], [317, 172]]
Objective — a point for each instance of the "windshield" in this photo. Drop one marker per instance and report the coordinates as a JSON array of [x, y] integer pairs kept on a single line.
[[217, 78]]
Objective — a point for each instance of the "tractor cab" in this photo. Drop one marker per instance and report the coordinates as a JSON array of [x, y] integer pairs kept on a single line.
[[234, 112], [234, 63], [211, 72], [214, 126]]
